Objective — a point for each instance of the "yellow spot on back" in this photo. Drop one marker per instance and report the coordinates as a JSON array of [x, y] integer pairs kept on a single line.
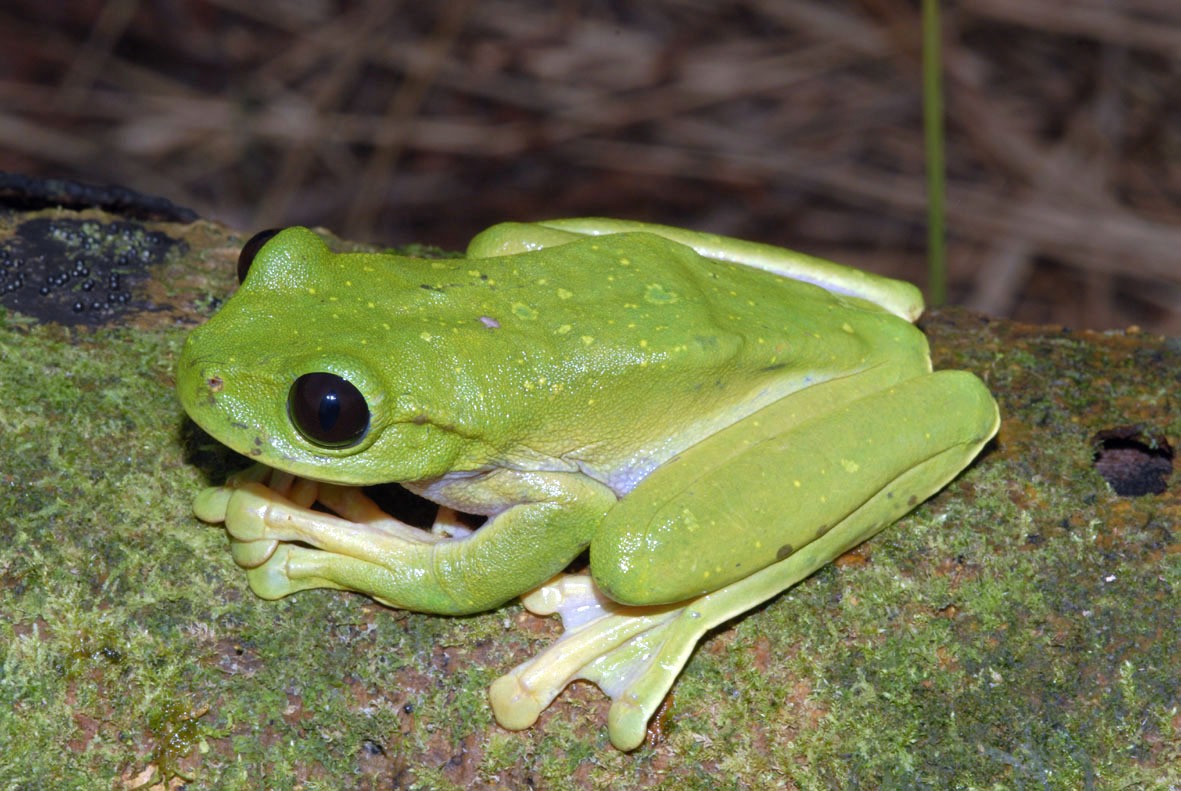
[[850, 465]]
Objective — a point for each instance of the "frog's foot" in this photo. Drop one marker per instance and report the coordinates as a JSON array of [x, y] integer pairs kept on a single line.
[[213, 505], [261, 508], [346, 541], [633, 654], [285, 546]]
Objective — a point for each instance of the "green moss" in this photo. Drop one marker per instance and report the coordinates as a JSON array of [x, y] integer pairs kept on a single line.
[[176, 729]]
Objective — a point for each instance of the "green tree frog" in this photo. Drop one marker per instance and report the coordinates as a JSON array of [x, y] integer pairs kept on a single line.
[[714, 419]]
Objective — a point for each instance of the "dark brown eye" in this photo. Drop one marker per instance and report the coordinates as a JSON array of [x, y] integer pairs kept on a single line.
[[329, 411], [251, 248]]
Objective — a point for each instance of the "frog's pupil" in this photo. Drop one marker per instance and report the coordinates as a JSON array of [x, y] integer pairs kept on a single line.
[[328, 410]]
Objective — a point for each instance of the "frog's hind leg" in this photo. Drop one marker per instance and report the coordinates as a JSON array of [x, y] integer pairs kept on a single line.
[[634, 653]]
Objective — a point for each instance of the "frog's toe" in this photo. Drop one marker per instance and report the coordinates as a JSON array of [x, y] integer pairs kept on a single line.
[[274, 578], [514, 705], [627, 722], [251, 554], [633, 654], [246, 512], [269, 580], [211, 504]]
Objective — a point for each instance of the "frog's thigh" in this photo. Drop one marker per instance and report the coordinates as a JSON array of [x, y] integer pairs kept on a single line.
[[693, 527]]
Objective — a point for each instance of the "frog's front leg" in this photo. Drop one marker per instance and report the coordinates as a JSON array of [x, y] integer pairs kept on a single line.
[[717, 540], [287, 547]]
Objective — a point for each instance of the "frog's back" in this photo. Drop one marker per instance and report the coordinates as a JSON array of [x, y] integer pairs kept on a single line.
[[609, 345]]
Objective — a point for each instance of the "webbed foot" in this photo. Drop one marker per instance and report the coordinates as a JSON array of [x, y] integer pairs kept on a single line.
[[633, 654], [286, 546]]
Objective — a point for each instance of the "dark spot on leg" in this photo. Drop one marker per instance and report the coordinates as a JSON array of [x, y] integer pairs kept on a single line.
[[784, 551]]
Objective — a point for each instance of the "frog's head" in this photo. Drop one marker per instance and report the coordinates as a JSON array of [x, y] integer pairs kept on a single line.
[[285, 372]]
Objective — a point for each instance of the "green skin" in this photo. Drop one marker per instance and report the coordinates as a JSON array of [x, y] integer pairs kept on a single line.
[[715, 419]]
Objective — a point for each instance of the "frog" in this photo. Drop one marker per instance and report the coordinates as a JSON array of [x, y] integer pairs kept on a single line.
[[705, 421]]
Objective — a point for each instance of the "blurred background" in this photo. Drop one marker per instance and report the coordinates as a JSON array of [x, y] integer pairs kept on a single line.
[[795, 122]]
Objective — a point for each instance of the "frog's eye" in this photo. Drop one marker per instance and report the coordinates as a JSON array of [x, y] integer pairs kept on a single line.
[[250, 250], [329, 411]]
